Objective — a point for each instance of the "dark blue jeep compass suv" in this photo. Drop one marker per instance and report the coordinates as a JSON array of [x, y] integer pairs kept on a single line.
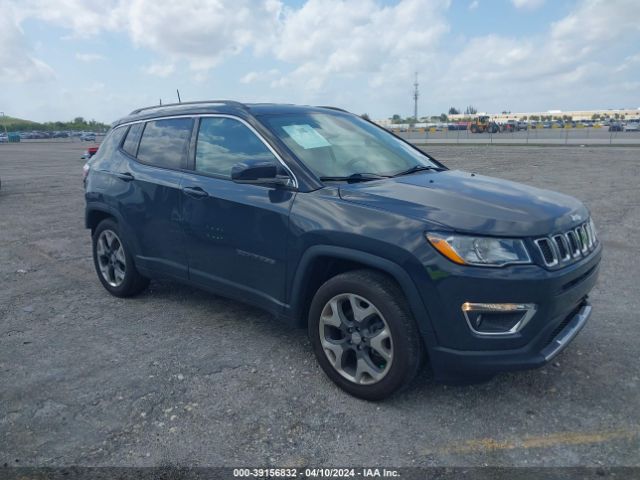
[[331, 222]]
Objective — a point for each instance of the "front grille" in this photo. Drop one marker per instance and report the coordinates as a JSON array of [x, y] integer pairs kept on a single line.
[[565, 247]]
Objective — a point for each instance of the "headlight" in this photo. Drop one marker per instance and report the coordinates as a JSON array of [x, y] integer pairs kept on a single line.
[[480, 251]]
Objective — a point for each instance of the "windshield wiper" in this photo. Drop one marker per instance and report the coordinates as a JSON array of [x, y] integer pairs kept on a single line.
[[355, 177], [417, 168]]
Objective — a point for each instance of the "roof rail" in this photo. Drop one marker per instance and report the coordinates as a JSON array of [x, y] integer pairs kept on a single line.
[[334, 108], [223, 102]]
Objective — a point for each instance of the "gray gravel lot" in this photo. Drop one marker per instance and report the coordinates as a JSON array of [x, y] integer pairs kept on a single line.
[[177, 376]]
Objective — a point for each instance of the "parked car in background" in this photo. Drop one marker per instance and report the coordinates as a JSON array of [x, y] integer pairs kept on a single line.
[[331, 223], [4, 138], [615, 127], [631, 127], [88, 137], [90, 152], [510, 126]]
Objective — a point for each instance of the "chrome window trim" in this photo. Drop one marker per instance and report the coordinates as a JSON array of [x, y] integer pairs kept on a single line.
[[221, 115]]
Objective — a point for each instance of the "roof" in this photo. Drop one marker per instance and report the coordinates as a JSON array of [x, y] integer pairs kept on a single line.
[[217, 106]]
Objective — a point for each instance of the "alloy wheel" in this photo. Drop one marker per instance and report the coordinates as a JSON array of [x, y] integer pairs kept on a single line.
[[111, 258], [356, 338]]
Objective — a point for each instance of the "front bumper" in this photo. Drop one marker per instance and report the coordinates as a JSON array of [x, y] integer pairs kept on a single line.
[[456, 365], [456, 353]]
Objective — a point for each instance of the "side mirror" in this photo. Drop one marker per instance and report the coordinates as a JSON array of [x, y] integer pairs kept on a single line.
[[258, 172]]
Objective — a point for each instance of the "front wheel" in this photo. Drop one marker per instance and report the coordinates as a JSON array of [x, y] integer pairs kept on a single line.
[[363, 334]]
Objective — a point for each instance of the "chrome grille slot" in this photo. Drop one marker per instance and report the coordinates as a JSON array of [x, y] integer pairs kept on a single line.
[[548, 252], [584, 242], [592, 240], [567, 246], [563, 247], [573, 243]]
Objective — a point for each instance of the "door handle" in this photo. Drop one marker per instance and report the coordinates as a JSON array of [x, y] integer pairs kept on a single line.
[[195, 192], [126, 176]]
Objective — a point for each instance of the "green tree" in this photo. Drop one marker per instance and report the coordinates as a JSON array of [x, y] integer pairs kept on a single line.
[[454, 111]]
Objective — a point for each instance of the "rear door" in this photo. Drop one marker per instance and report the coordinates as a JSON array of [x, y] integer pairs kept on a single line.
[[151, 205], [235, 233]]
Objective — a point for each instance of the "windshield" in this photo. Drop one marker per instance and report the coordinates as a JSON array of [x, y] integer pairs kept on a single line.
[[341, 145]]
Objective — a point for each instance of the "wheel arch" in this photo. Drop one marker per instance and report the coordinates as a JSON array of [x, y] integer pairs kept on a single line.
[[95, 215], [321, 262]]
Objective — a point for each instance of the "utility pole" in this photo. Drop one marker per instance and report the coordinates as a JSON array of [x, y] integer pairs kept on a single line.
[[416, 94], [3, 123]]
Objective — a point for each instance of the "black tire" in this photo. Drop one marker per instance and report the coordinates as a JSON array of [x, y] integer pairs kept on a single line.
[[405, 342], [133, 282]]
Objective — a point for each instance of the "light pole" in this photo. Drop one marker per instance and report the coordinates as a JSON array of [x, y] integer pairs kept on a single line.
[[4, 124]]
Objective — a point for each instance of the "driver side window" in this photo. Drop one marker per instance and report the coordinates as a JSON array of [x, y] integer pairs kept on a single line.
[[223, 142]]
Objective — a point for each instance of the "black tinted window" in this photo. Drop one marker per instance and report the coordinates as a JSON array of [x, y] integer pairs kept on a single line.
[[111, 142], [130, 144], [164, 143], [223, 142]]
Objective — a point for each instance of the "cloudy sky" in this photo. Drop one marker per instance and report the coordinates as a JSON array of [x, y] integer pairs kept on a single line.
[[102, 58]]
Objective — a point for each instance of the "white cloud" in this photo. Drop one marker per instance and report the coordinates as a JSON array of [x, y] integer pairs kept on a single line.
[[574, 55], [202, 33], [89, 57], [327, 38], [17, 63], [527, 4], [360, 54], [159, 69], [85, 18], [250, 77]]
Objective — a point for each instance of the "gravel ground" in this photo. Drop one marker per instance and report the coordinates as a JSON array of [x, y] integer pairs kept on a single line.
[[176, 376]]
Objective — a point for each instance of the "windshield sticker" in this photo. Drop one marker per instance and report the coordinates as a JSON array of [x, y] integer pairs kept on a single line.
[[306, 136]]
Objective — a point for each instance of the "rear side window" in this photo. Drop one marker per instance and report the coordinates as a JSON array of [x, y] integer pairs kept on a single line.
[[130, 144], [223, 142], [164, 143], [110, 143]]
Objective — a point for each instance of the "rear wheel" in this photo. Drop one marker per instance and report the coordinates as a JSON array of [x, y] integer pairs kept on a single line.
[[114, 263], [364, 335]]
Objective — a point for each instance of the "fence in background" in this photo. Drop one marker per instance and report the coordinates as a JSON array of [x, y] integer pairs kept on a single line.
[[537, 136]]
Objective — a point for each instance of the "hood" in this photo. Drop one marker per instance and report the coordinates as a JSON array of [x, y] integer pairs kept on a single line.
[[471, 203]]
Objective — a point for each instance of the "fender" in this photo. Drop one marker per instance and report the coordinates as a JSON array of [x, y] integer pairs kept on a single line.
[[93, 206], [391, 268]]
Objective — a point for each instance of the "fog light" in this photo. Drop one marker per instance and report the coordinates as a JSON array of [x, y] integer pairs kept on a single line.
[[497, 318]]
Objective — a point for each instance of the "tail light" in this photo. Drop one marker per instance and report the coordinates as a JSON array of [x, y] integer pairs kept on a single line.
[[85, 171]]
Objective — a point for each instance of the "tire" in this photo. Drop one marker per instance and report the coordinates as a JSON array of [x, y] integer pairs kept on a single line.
[[369, 365], [113, 261]]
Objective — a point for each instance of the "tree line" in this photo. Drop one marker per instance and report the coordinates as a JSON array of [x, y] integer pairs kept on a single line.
[[77, 124]]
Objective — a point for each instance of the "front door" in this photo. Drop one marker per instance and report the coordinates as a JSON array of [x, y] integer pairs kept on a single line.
[[235, 233]]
